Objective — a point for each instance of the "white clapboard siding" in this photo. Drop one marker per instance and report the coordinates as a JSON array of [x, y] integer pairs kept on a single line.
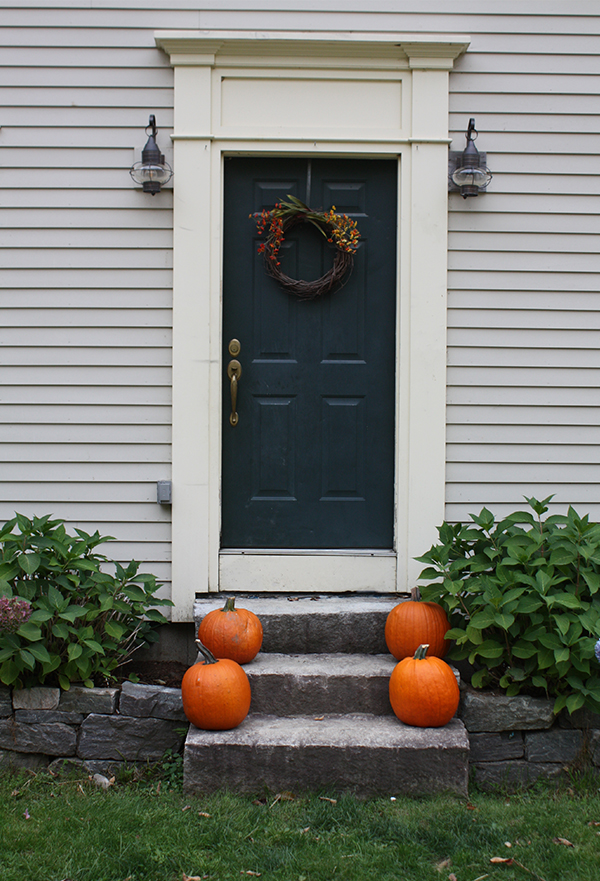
[[565, 225], [80, 199], [79, 434], [98, 316], [96, 454], [65, 157], [85, 288], [523, 319], [136, 220], [85, 404], [17, 96], [524, 453], [84, 356], [77, 394], [44, 237]]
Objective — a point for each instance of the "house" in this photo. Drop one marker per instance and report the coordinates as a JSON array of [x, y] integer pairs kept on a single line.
[[121, 310]]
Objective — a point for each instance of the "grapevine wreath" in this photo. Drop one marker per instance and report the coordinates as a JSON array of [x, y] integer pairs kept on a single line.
[[338, 229]]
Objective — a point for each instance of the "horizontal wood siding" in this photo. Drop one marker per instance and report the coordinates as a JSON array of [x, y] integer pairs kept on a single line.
[[85, 304], [86, 257], [524, 272]]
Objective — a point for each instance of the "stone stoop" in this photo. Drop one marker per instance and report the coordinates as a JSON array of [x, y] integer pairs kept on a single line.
[[320, 716]]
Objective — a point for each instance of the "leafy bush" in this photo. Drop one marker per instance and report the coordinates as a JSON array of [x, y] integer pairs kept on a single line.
[[63, 619], [523, 600]]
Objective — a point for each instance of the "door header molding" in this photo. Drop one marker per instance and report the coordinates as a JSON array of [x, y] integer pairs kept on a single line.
[[318, 48]]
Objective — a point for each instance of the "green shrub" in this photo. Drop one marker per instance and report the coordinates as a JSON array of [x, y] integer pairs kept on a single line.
[[523, 600], [64, 619]]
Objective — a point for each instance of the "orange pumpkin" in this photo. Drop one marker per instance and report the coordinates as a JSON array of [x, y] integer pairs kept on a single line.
[[412, 623], [215, 693], [232, 633], [424, 691]]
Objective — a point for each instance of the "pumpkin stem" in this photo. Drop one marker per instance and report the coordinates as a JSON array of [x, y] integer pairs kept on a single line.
[[421, 651], [415, 594], [208, 656], [229, 605]]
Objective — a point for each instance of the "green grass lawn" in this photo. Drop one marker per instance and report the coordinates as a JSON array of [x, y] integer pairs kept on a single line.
[[68, 829]]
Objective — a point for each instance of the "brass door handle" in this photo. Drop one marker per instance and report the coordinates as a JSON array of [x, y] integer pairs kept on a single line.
[[234, 372]]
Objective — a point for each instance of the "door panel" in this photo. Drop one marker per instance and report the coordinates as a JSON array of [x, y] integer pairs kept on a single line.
[[310, 463]]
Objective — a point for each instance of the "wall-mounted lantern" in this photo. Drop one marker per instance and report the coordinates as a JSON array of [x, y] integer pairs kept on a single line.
[[468, 174], [152, 172]]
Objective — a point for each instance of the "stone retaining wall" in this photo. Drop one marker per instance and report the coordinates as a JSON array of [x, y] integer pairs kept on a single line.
[[101, 728], [513, 740], [516, 740]]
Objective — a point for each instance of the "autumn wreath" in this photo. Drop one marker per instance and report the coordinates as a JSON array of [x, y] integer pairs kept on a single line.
[[338, 229]]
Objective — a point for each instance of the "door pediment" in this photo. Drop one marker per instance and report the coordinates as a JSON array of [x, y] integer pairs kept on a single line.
[[322, 49]]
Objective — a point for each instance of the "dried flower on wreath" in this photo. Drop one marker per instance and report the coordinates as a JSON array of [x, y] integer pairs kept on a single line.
[[339, 230]]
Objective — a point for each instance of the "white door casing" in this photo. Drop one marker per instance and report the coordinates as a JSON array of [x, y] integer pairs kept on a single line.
[[326, 94]]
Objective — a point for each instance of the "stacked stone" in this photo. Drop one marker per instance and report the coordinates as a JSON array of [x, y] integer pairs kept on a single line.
[[100, 728], [513, 740], [516, 740]]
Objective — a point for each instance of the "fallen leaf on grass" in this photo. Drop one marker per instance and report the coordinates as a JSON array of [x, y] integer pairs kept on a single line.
[[471, 807], [191, 877], [563, 841], [186, 808], [333, 801], [443, 865], [27, 814], [452, 877], [283, 796], [591, 823], [509, 861], [203, 814]]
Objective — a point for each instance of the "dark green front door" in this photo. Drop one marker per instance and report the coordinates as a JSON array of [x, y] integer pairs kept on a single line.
[[310, 463]]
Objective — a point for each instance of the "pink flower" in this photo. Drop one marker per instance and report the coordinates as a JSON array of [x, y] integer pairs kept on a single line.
[[13, 613]]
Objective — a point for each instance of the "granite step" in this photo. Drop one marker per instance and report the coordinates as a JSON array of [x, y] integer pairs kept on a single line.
[[310, 624], [312, 684], [320, 716], [364, 754]]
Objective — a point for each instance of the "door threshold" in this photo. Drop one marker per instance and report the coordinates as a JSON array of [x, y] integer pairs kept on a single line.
[[305, 571], [303, 552]]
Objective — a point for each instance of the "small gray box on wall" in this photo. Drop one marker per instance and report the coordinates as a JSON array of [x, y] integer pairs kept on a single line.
[[163, 492]]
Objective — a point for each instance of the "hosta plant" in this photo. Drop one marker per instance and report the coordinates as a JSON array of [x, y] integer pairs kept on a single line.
[[63, 616], [523, 598]]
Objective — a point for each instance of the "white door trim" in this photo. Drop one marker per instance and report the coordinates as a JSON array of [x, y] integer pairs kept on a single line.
[[290, 93]]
